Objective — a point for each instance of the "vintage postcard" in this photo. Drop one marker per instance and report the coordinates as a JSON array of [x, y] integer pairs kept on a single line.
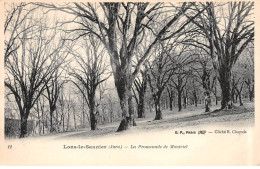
[[129, 83]]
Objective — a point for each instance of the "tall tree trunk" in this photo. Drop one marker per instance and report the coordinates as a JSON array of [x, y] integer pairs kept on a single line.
[[43, 122], [233, 95], [23, 126], [40, 130], [240, 99], [68, 121], [131, 110], [158, 112], [215, 94], [141, 105], [171, 96], [83, 113], [75, 123], [83, 119], [51, 127], [111, 116], [251, 93], [171, 103], [206, 107], [124, 124], [225, 84], [123, 85], [207, 98], [250, 89], [51, 120], [63, 122], [237, 95], [150, 106], [166, 103], [184, 101], [174, 102], [195, 98], [93, 120], [57, 121], [179, 100]]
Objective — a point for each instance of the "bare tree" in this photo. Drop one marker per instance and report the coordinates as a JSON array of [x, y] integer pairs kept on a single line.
[[228, 28], [181, 72], [237, 86], [92, 71], [171, 95], [39, 108], [249, 69], [195, 92], [203, 73], [53, 87], [140, 84], [16, 14], [179, 82], [121, 26], [62, 104], [203, 70], [27, 69], [69, 106], [160, 72], [243, 75]]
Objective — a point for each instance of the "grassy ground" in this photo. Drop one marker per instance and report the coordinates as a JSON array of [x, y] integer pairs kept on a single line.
[[191, 117]]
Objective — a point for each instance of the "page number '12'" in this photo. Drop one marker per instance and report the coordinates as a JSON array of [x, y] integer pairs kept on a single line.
[[9, 146]]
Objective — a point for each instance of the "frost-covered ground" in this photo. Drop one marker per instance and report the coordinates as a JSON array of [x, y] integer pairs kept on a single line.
[[209, 148], [192, 117]]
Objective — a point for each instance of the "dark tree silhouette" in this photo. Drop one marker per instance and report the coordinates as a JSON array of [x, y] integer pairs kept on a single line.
[[225, 42], [53, 88], [92, 71], [160, 72], [28, 69], [171, 95], [17, 14], [121, 27], [140, 84]]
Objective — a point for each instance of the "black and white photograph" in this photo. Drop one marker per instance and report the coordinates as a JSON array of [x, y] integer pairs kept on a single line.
[[114, 78]]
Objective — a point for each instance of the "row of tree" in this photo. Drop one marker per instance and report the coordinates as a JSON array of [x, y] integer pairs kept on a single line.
[[163, 47]]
